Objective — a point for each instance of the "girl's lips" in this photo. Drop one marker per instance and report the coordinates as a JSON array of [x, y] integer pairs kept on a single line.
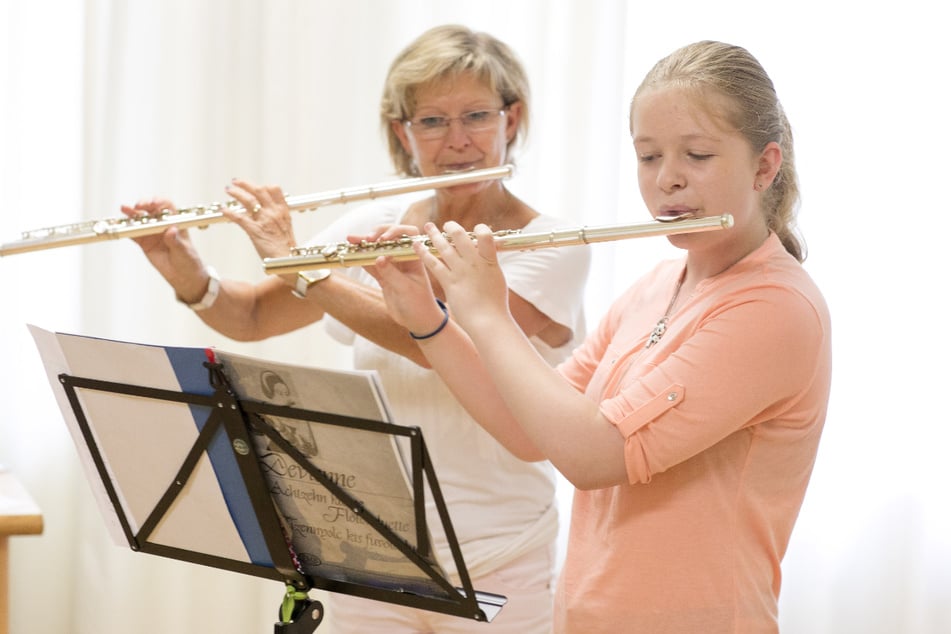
[[674, 214]]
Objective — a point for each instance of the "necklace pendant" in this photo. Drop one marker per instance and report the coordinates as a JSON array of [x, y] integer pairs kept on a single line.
[[657, 332]]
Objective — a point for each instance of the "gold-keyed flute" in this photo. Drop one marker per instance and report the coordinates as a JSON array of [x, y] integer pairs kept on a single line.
[[202, 216], [346, 254]]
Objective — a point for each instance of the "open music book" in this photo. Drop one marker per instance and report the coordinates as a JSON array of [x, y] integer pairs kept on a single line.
[[282, 471]]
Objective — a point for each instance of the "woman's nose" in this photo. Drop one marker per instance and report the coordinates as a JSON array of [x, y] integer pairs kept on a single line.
[[457, 135]]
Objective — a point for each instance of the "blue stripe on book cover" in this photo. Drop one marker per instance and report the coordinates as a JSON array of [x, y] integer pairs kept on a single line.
[[193, 377]]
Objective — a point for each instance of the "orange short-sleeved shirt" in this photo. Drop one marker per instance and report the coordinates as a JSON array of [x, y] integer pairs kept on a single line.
[[721, 421]]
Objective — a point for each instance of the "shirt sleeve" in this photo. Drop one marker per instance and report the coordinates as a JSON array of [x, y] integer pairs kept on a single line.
[[745, 363], [552, 280]]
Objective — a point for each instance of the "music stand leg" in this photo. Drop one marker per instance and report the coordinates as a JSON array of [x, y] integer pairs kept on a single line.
[[299, 613]]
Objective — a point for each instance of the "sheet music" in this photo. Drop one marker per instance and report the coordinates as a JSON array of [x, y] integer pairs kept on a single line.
[[143, 442], [329, 539]]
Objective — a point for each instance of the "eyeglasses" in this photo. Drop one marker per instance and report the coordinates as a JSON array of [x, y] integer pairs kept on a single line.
[[435, 127]]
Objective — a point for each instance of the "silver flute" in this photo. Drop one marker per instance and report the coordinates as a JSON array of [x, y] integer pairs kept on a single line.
[[202, 216], [348, 254]]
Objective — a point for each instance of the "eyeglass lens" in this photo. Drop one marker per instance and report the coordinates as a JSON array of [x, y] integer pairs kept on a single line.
[[436, 127]]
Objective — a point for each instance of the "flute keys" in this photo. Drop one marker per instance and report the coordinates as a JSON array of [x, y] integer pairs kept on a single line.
[[331, 250]]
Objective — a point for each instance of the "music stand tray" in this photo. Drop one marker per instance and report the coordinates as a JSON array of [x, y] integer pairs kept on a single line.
[[224, 461]]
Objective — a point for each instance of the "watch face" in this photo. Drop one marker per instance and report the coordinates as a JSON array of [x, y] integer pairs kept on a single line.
[[313, 277], [305, 281]]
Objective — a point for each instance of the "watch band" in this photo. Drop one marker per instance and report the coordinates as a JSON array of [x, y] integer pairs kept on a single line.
[[214, 286], [306, 280]]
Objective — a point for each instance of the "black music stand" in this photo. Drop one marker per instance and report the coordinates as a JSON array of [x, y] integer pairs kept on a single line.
[[232, 436]]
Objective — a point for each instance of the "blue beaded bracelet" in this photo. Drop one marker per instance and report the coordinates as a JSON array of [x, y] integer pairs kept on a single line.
[[445, 320]]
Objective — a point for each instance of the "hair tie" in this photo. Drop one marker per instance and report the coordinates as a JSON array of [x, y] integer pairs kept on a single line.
[[445, 320]]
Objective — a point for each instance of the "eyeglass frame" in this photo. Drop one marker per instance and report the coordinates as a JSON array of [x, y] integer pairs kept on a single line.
[[447, 122]]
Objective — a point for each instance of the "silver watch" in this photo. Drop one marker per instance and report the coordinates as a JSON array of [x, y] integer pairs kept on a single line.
[[306, 280], [214, 287]]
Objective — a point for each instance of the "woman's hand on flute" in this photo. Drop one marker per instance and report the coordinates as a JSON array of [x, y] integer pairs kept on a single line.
[[268, 218], [171, 252]]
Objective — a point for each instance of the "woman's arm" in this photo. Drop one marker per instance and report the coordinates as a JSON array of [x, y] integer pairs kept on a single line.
[[252, 312], [241, 311]]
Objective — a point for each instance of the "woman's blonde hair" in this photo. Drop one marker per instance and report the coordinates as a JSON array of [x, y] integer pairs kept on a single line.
[[756, 113], [445, 52]]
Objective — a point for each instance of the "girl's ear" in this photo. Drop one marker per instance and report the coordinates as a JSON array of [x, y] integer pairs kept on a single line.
[[769, 162]]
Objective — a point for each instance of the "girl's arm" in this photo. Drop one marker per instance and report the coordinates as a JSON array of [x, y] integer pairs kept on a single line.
[[490, 365]]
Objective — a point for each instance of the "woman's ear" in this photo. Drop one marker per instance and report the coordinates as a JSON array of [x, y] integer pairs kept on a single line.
[[769, 162], [512, 119], [400, 131]]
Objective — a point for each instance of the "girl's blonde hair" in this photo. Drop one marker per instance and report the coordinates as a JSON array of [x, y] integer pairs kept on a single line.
[[756, 113]]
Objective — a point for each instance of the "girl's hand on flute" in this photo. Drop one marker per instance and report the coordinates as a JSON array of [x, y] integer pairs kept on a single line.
[[409, 296], [469, 273]]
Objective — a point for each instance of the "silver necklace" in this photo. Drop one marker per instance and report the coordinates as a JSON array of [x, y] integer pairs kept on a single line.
[[661, 327]]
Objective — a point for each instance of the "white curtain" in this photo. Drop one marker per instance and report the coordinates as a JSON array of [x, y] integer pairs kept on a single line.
[[108, 101]]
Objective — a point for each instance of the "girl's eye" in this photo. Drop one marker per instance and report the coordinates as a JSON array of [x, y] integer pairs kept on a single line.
[[646, 158], [699, 157]]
